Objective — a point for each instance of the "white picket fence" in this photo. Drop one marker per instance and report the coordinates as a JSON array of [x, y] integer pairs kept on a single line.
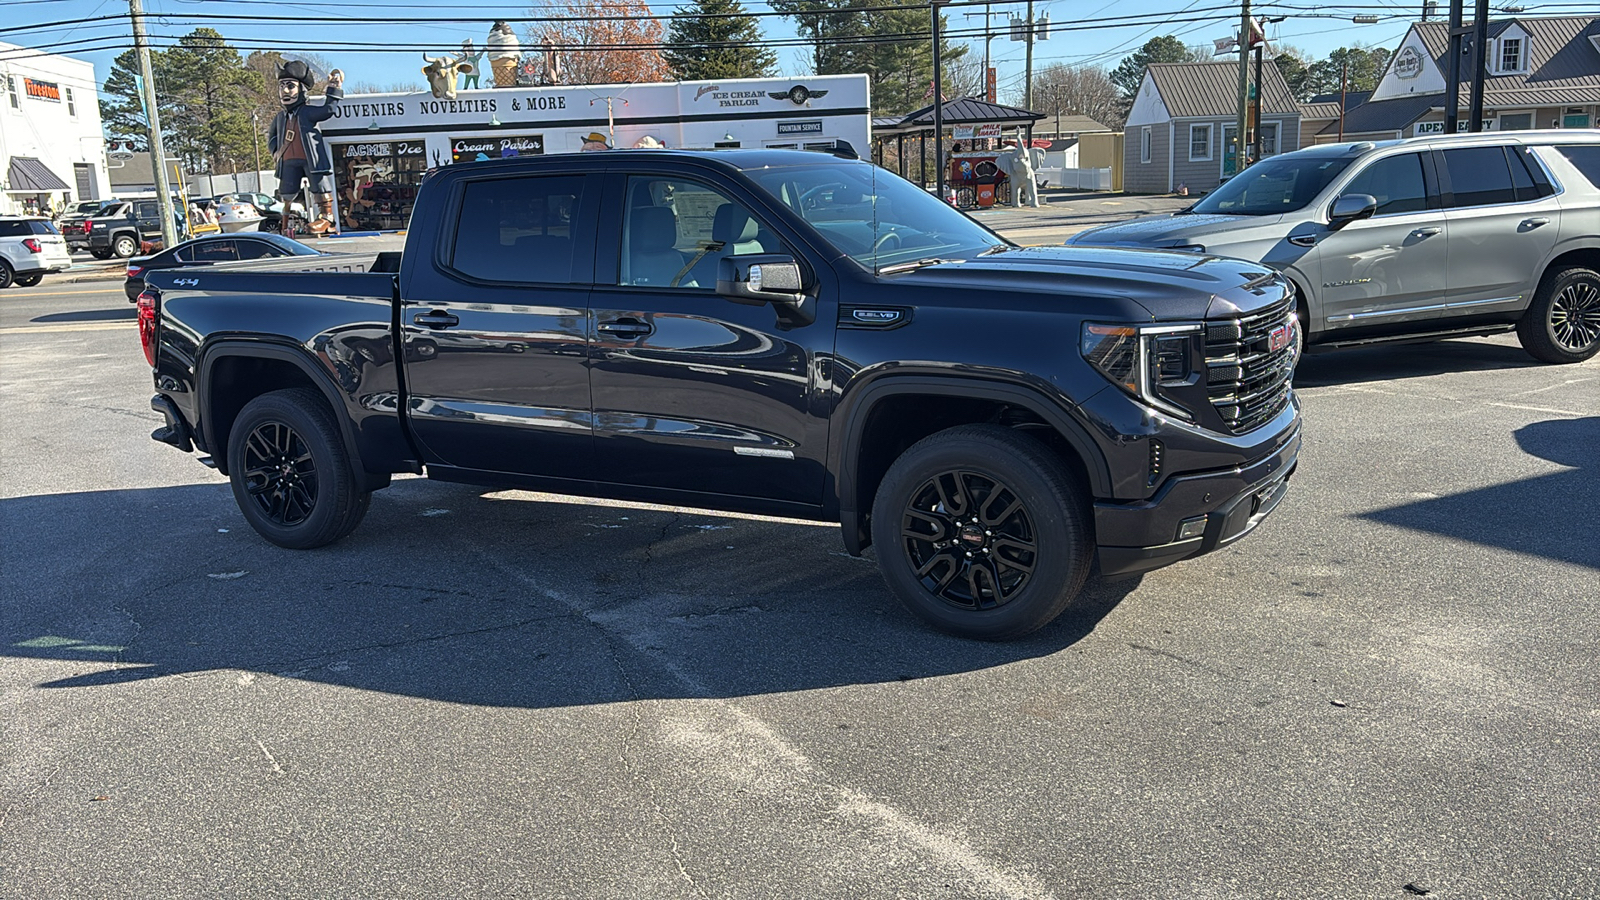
[[1078, 179]]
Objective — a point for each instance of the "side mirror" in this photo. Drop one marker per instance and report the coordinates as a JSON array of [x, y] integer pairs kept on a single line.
[[1351, 208], [758, 278]]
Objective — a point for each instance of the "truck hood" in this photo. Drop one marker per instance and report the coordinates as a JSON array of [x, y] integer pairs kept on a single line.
[[1171, 230], [1167, 284]]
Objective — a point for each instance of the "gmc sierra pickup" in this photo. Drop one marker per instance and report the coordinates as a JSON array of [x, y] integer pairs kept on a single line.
[[778, 332]]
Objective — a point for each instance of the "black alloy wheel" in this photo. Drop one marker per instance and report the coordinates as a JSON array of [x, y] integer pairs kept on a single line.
[[280, 474], [290, 472], [970, 538], [983, 531], [1562, 324]]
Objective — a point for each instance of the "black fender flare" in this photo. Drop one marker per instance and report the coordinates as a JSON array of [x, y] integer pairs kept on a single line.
[[295, 356], [854, 409]]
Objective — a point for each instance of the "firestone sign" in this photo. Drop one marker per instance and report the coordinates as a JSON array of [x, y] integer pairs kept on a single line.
[[42, 90]]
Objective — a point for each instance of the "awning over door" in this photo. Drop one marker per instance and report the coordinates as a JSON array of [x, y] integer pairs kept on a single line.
[[28, 175]]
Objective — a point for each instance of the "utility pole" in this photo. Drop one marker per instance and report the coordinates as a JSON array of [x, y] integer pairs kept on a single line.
[[1027, 75], [255, 150], [938, 102], [1344, 79], [1452, 74], [1480, 62], [988, 36], [1243, 117], [158, 153]]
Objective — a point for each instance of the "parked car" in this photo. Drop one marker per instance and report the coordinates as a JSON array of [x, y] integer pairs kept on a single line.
[[121, 228], [211, 249], [682, 327], [30, 248], [1418, 239], [74, 227]]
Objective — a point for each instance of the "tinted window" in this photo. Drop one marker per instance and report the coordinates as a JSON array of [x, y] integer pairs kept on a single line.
[[148, 210], [1479, 176], [40, 226], [1272, 186], [675, 233], [213, 251], [256, 250], [519, 229], [1396, 182], [16, 228], [1585, 158]]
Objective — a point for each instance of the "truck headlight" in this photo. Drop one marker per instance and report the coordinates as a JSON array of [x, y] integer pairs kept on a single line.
[[1153, 363]]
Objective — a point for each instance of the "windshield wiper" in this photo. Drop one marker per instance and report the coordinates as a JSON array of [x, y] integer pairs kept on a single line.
[[997, 248], [908, 266]]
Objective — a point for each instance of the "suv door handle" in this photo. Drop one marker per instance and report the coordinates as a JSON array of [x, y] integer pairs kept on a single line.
[[437, 318], [626, 327], [1530, 224], [1430, 231]]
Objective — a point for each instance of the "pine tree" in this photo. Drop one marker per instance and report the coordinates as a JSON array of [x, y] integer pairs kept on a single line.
[[714, 39]]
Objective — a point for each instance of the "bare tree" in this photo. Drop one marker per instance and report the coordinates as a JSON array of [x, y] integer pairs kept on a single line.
[[1061, 90], [963, 76], [602, 41]]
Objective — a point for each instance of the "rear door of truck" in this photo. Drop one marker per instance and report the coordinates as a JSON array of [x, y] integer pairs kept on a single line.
[[493, 324]]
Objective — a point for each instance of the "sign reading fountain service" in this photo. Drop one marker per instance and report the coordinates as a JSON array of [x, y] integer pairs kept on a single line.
[[478, 149]]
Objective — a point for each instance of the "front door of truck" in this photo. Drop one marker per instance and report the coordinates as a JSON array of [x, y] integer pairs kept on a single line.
[[494, 329], [692, 392]]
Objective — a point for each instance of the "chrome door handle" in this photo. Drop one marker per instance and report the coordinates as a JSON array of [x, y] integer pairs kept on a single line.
[[626, 328], [437, 318], [1427, 232], [1530, 224]]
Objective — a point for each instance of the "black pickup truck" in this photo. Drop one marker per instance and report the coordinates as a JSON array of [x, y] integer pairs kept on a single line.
[[778, 332]]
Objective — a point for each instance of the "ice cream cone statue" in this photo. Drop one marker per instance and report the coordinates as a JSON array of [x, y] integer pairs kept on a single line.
[[504, 52]]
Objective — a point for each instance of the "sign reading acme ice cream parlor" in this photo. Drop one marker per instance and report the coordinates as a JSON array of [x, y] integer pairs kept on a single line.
[[477, 149]]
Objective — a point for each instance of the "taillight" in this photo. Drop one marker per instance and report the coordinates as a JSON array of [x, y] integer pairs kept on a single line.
[[31, 244], [147, 323], [134, 270]]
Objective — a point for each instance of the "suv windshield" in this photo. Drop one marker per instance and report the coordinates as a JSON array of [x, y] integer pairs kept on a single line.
[[1277, 185], [873, 216]]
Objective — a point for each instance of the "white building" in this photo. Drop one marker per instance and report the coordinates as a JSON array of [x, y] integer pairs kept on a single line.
[[52, 150], [383, 143]]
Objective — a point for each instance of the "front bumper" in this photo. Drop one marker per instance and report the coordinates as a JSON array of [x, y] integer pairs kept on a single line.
[[1139, 537]]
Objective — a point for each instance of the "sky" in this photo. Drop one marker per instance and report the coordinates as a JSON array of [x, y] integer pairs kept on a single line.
[[1090, 32]]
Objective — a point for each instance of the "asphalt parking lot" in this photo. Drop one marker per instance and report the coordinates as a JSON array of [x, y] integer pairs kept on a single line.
[[1389, 690]]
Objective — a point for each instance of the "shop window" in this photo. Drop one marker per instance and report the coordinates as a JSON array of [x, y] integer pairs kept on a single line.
[[518, 230], [72, 106], [11, 88], [377, 183], [1199, 142], [1516, 121]]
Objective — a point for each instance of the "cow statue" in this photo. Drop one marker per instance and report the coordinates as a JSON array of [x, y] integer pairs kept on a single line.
[[1018, 163], [441, 73]]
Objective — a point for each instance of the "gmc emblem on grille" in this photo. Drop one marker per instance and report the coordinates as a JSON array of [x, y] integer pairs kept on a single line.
[[1278, 338]]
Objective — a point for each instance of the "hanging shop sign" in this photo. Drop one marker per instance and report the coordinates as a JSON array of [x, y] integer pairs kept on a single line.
[[477, 149], [380, 148], [812, 127], [968, 132], [42, 90]]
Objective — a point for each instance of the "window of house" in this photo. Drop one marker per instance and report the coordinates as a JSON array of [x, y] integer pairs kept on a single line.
[[1516, 121], [1479, 176], [1144, 144], [72, 106], [519, 230], [11, 88], [1199, 142], [1511, 54], [1396, 182], [1269, 139]]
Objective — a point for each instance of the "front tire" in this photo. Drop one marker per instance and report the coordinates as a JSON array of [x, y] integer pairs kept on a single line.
[[290, 472], [1562, 324], [983, 532]]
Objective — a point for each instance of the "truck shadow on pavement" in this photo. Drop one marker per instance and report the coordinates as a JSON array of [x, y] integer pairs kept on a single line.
[[1552, 515], [449, 593], [128, 313], [1394, 361]]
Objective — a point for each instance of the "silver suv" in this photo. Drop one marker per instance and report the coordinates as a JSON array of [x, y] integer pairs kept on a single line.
[[1424, 238]]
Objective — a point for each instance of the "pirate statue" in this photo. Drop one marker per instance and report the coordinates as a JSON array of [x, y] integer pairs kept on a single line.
[[296, 142]]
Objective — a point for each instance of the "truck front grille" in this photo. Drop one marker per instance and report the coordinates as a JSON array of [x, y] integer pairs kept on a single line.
[[1249, 361]]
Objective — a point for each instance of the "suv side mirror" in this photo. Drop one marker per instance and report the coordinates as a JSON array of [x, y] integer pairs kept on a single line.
[[757, 278], [1351, 208]]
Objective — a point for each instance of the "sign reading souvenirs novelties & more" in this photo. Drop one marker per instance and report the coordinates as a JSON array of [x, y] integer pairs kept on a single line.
[[477, 149]]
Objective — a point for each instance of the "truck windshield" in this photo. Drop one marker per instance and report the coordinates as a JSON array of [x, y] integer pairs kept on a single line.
[[873, 216], [1277, 185]]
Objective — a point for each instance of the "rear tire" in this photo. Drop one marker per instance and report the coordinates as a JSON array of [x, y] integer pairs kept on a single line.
[[5, 275], [290, 472], [100, 254], [29, 280], [1562, 324], [982, 532]]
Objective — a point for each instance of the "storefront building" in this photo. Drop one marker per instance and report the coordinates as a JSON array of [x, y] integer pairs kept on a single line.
[[51, 149], [382, 144]]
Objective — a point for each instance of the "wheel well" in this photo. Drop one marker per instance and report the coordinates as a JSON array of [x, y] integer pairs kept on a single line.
[[1588, 257], [898, 421], [236, 380]]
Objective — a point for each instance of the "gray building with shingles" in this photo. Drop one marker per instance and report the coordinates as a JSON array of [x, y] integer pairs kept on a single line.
[[1541, 73], [1181, 126]]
